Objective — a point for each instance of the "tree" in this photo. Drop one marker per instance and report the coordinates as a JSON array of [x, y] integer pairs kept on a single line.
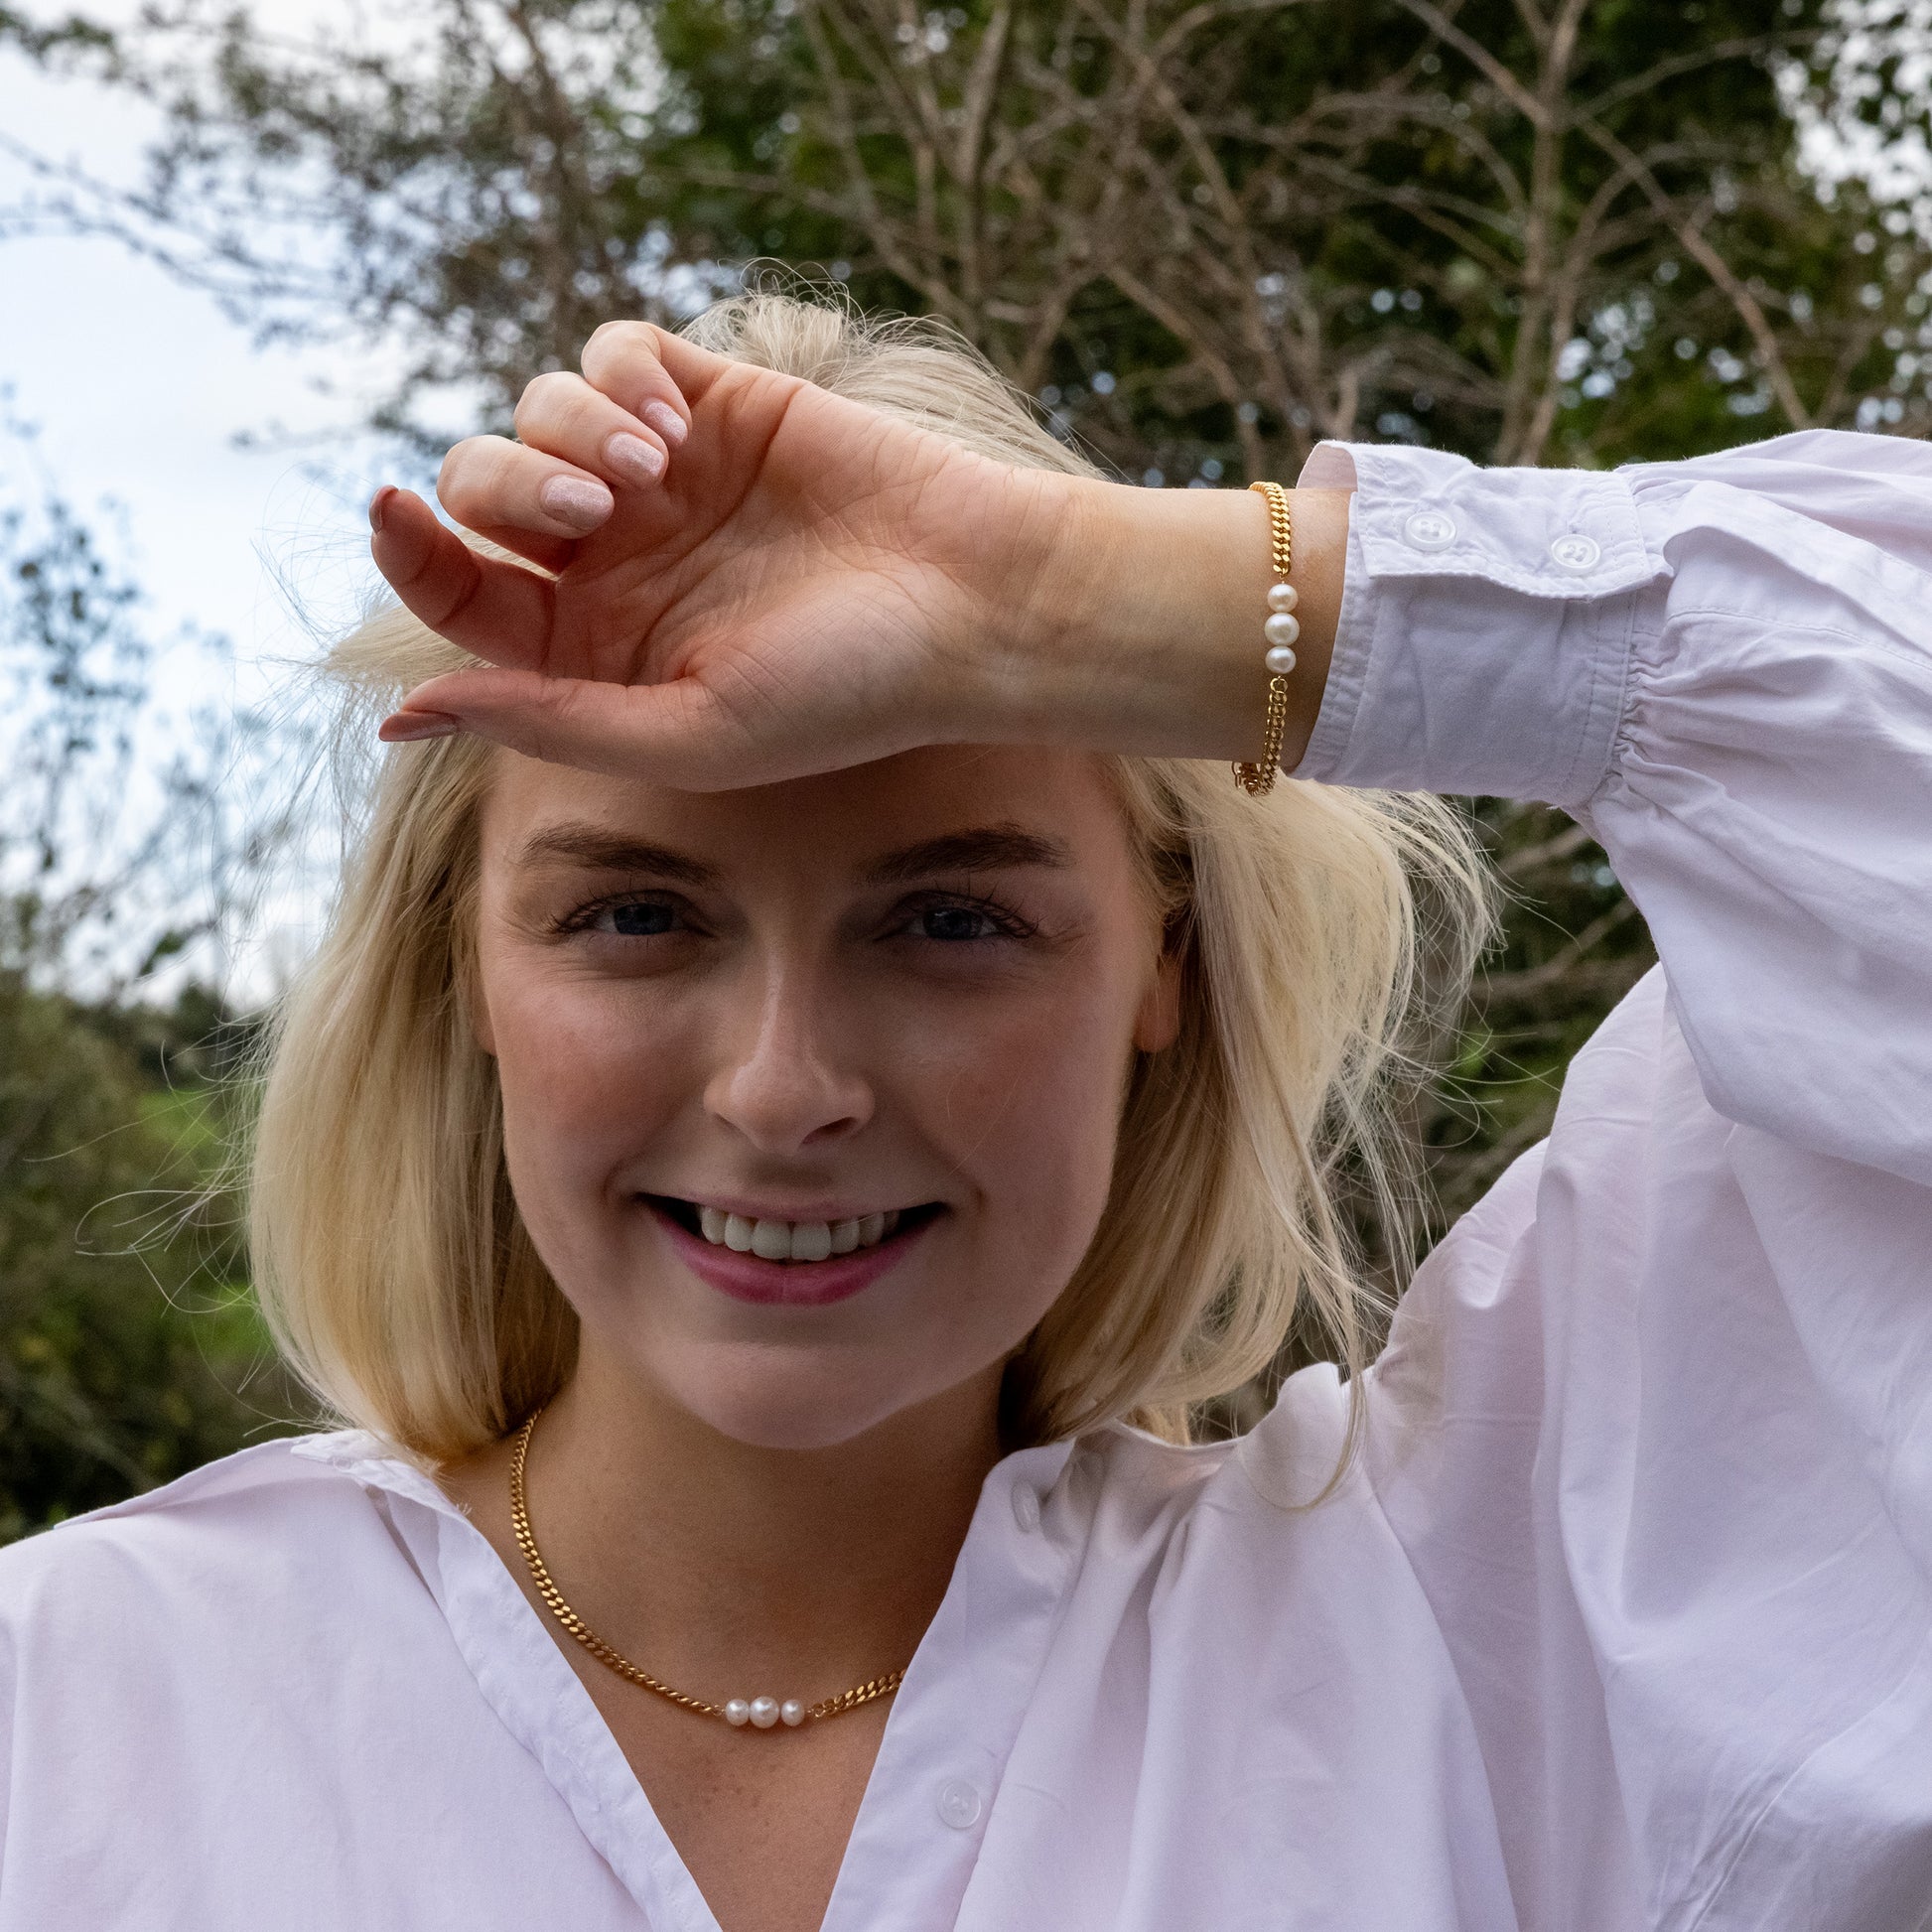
[[1201, 233], [129, 1350], [1527, 229]]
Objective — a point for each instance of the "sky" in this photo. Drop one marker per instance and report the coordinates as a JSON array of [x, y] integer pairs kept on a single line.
[[140, 392], [140, 388]]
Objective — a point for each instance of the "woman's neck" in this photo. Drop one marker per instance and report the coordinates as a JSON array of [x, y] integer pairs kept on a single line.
[[729, 1569]]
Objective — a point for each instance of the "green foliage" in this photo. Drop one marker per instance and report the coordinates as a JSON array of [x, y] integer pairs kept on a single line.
[[1571, 946], [1202, 234], [130, 1350]]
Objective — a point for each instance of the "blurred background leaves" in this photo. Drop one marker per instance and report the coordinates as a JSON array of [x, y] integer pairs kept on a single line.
[[129, 1347]]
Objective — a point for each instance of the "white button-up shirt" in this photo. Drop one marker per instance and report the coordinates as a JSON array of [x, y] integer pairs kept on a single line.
[[1623, 1616]]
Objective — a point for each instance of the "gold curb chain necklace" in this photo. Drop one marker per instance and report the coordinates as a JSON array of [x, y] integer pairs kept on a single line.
[[757, 1714]]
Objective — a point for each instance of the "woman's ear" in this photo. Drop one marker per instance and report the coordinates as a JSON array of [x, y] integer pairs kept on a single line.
[[1158, 1019]]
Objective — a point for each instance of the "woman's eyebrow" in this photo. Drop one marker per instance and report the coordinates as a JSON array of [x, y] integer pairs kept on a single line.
[[593, 847], [983, 847], [980, 848]]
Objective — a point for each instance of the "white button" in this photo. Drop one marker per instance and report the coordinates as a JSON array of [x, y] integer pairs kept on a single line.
[[1431, 529], [960, 1805], [1575, 552], [1026, 1505]]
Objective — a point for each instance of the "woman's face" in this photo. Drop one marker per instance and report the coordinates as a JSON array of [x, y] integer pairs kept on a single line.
[[910, 990]]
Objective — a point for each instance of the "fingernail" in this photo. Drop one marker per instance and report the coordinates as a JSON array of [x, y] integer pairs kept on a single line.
[[573, 501], [405, 727], [379, 506], [667, 422], [634, 459]]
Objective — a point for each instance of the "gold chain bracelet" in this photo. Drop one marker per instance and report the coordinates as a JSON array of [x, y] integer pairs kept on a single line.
[[1281, 628], [759, 1713]]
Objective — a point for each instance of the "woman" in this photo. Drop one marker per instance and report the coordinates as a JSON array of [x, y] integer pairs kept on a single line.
[[813, 1070]]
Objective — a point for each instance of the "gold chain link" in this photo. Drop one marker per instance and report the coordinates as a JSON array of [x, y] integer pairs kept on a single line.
[[553, 1600], [1258, 780]]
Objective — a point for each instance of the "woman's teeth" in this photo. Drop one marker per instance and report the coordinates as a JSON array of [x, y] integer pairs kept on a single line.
[[795, 1240]]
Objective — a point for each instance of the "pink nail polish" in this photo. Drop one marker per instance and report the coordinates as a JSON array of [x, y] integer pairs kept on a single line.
[[634, 460], [667, 422], [574, 501], [406, 727]]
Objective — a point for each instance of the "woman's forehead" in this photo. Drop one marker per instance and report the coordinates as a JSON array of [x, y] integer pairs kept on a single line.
[[940, 807]]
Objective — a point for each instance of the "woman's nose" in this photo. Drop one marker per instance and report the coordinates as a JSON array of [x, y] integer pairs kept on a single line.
[[787, 1085]]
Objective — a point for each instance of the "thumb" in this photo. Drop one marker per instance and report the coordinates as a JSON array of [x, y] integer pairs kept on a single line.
[[678, 733]]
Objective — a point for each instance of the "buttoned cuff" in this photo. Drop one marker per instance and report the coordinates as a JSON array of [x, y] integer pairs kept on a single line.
[[1486, 623]]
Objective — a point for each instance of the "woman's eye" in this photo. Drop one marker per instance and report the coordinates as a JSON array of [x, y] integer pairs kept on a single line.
[[640, 919], [954, 922], [957, 923]]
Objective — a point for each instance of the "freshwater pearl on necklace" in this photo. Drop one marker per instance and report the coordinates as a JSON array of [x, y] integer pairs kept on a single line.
[[763, 1713], [759, 1713]]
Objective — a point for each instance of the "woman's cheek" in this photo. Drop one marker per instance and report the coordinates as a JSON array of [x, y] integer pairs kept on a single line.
[[585, 1079], [1029, 1106]]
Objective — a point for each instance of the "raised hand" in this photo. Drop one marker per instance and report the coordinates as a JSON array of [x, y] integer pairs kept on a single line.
[[741, 577]]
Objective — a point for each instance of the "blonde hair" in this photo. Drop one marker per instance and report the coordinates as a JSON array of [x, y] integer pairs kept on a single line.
[[391, 1257]]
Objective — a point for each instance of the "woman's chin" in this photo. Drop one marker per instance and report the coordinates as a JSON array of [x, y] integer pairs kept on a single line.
[[795, 1407]]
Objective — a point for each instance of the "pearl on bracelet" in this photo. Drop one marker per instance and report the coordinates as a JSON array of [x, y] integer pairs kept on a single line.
[[1281, 628], [764, 1712], [791, 1711]]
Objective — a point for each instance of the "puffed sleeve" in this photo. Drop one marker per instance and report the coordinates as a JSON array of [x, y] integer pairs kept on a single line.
[[1654, 1426]]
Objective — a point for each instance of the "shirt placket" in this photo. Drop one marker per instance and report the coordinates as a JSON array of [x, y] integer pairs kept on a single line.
[[936, 1780]]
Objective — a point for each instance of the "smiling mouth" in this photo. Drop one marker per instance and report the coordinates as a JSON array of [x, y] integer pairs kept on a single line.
[[794, 1241]]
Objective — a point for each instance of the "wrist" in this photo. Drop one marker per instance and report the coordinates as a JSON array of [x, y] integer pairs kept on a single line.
[[1137, 624]]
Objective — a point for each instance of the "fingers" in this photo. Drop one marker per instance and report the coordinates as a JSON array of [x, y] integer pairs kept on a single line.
[[488, 482], [564, 415], [675, 733], [581, 438], [650, 372], [494, 609], [575, 446]]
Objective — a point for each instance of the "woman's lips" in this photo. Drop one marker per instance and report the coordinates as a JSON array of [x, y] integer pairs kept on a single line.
[[786, 1284]]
